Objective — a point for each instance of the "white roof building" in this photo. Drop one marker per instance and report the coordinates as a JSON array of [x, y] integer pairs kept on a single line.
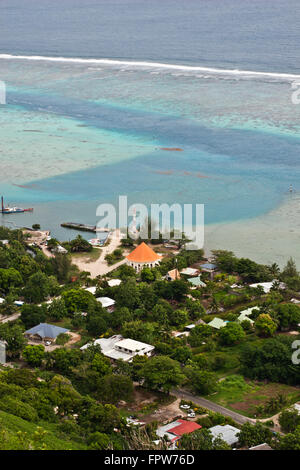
[[180, 334], [61, 249], [106, 302], [189, 327], [244, 315], [189, 271], [297, 407], [114, 282], [116, 347], [263, 446], [2, 300], [92, 289], [267, 286], [227, 432]]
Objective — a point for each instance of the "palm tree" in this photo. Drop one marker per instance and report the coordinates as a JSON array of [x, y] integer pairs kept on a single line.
[[274, 270], [215, 305]]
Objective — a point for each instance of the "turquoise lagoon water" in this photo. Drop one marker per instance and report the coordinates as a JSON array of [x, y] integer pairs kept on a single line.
[[78, 132]]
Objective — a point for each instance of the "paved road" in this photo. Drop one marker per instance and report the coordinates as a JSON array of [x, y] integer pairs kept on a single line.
[[240, 419]]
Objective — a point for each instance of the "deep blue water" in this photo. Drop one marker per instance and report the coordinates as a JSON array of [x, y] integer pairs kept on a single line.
[[247, 34]]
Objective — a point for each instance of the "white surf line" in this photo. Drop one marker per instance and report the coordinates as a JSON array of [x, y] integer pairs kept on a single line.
[[142, 64]]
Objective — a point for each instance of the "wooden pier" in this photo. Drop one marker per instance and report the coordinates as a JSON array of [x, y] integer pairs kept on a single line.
[[84, 227]]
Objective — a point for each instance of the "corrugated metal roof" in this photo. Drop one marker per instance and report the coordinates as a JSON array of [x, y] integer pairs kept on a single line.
[[44, 330], [227, 432], [217, 323]]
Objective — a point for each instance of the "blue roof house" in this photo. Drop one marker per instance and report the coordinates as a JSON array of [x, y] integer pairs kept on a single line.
[[45, 332]]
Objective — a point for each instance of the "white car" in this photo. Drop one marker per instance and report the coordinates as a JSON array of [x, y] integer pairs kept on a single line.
[[191, 414], [185, 407]]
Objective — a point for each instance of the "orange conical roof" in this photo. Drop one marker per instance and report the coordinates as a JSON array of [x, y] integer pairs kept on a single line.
[[143, 254]]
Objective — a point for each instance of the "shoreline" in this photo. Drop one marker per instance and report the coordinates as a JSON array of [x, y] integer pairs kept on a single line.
[[270, 238]]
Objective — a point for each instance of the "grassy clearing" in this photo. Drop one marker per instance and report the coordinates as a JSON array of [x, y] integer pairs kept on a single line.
[[88, 257], [237, 394]]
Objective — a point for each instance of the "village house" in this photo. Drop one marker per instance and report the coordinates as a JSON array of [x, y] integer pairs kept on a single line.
[[226, 432], [44, 332], [172, 275], [196, 282], [217, 323], [209, 268], [114, 282], [116, 347], [92, 289], [107, 303], [263, 446], [267, 286], [143, 256], [190, 272], [175, 430], [244, 315]]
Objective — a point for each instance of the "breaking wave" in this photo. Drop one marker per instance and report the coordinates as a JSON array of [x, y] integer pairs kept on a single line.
[[208, 71]]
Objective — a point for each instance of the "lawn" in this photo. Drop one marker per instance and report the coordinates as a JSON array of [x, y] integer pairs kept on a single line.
[[243, 396], [88, 257]]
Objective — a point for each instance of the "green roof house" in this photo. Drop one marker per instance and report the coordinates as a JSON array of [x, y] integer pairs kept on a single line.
[[196, 282], [217, 323]]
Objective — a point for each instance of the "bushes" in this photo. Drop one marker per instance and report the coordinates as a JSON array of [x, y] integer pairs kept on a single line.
[[18, 408], [78, 300], [32, 315], [34, 355], [253, 435], [199, 334], [271, 360], [232, 333], [201, 381], [205, 422], [289, 420]]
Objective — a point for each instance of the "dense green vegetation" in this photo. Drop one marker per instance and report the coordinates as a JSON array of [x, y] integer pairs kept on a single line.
[[65, 397]]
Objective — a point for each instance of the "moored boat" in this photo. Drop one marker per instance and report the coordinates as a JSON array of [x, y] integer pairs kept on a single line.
[[13, 210]]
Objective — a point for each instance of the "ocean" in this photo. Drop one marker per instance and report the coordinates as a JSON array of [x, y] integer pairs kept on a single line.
[[98, 89]]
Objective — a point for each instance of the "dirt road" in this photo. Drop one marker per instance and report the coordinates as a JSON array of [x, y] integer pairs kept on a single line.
[[13, 317], [100, 266]]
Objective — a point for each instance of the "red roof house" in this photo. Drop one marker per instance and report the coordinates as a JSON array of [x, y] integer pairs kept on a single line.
[[174, 431]]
